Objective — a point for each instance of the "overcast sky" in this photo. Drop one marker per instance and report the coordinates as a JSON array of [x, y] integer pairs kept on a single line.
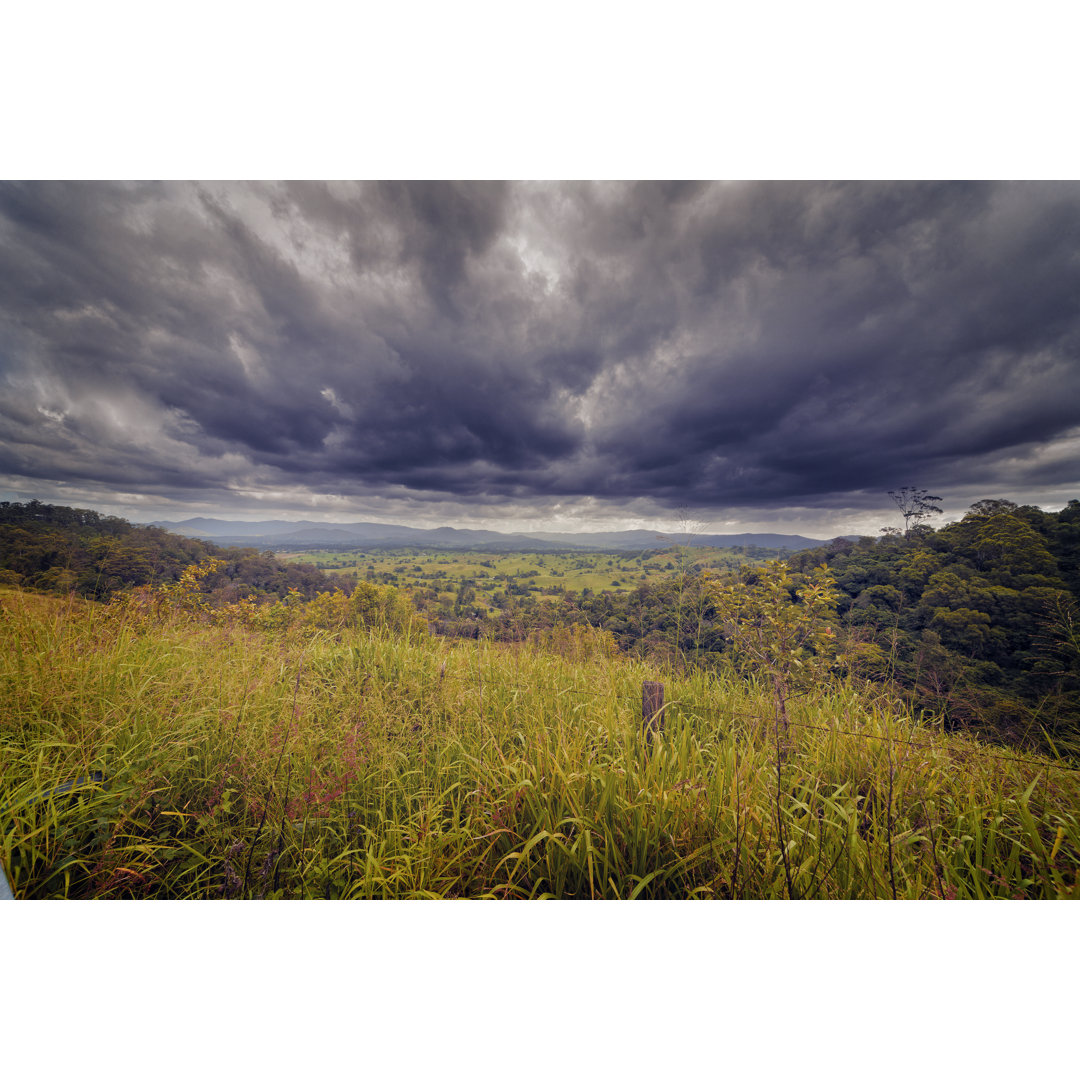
[[749, 355]]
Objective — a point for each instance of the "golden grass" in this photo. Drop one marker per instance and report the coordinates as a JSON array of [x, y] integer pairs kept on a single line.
[[359, 764]]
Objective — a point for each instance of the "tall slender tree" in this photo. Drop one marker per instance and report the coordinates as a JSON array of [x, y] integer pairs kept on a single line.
[[915, 506]]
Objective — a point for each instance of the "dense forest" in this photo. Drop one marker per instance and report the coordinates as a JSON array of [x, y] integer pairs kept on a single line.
[[978, 620]]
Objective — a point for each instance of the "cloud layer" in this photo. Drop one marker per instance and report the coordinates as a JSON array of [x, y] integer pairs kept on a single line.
[[488, 349]]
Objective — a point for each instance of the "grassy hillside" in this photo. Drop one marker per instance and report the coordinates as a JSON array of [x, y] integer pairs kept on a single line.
[[341, 753]]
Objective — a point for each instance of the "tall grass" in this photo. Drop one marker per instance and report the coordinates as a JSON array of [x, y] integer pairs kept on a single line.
[[222, 761]]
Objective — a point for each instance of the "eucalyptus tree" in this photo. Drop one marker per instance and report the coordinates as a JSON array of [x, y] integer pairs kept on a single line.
[[915, 506]]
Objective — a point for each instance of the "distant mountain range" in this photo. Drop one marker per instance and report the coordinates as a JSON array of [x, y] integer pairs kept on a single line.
[[285, 535]]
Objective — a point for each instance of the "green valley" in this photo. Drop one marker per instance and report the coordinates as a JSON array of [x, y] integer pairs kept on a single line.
[[874, 719]]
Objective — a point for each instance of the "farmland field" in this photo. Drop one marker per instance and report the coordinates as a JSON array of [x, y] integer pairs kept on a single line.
[[440, 574]]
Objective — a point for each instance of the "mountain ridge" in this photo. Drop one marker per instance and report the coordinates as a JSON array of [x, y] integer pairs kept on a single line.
[[277, 533]]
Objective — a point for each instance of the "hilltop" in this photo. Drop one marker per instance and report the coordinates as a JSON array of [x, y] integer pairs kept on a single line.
[[63, 549]]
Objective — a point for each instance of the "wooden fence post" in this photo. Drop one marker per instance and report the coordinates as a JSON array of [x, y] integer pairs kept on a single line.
[[652, 704]]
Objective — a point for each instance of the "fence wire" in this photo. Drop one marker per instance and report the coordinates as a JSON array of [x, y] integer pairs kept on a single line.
[[917, 745]]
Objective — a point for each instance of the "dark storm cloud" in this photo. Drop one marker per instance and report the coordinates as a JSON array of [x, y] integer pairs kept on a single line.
[[753, 345]]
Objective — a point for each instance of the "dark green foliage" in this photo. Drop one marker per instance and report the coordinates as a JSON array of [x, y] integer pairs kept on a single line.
[[974, 619], [60, 549]]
